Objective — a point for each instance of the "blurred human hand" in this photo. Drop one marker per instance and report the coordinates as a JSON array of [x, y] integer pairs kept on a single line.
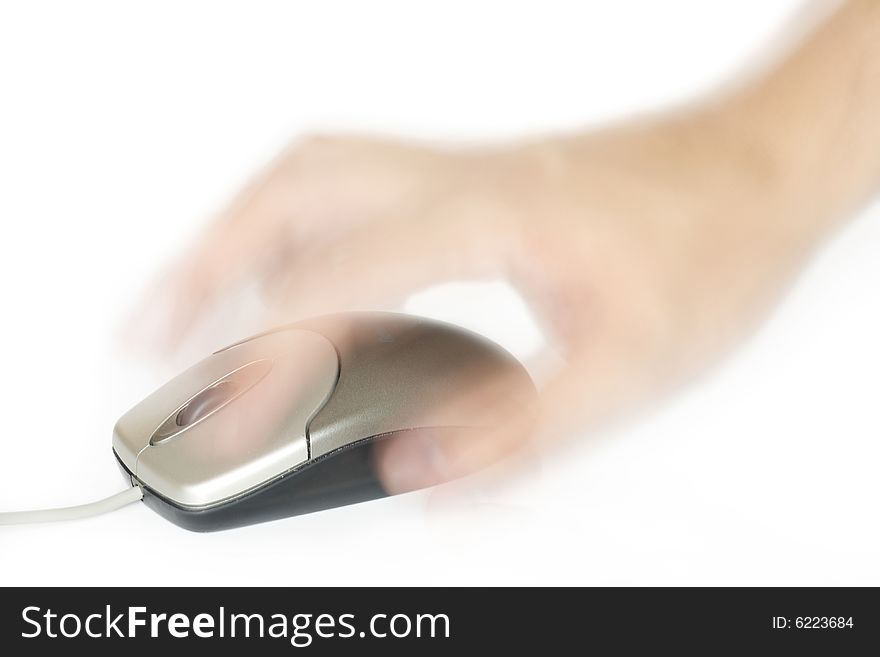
[[645, 251]]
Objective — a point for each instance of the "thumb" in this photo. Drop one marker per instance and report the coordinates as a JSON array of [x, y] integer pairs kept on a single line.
[[429, 456]]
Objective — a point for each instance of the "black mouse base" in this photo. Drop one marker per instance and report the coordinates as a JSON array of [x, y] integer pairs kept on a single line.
[[336, 479]]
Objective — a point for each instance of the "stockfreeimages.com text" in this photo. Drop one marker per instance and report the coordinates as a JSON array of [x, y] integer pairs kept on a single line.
[[301, 629]]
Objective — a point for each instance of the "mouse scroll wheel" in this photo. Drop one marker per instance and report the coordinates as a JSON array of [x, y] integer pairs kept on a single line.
[[207, 401]]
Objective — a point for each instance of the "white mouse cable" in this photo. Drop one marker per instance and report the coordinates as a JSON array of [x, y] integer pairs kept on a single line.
[[106, 505]]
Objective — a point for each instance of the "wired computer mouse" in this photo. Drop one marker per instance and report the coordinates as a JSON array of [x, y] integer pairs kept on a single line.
[[287, 422]]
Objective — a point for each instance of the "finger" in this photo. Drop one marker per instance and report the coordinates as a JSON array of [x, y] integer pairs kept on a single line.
[[321, 185], [240, 243], [319, 188], [220, 254], [375, 265]]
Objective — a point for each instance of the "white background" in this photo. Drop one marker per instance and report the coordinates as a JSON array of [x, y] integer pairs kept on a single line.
[[123, 128]]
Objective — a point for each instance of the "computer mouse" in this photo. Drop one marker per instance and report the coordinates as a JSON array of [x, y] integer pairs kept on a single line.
[[288, 421]]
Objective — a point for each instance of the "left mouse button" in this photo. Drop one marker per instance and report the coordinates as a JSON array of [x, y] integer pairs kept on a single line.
[[211, 399], [231, 445]]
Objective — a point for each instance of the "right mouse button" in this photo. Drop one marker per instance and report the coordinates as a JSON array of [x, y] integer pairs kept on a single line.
[[423, 375]]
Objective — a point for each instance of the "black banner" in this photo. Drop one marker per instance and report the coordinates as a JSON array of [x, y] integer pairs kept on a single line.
[[435, 621]]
